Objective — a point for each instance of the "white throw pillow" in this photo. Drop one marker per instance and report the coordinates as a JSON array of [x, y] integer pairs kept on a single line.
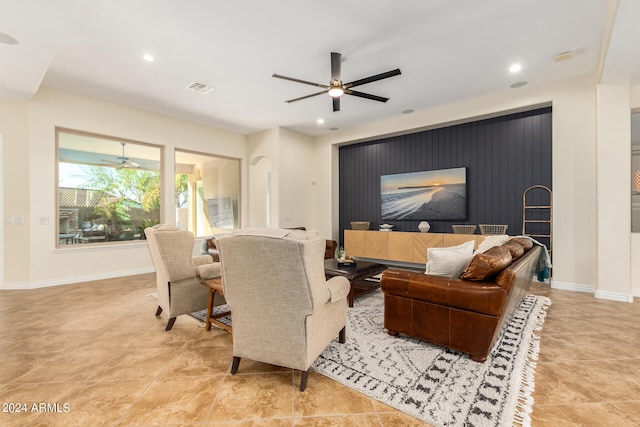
[[450, 261], [491, 241]]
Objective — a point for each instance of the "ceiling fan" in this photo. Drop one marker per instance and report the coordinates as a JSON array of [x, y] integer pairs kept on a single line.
[[123, 161], [336, 88]]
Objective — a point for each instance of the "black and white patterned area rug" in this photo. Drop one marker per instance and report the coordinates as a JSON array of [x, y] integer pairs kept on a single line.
[[434, 384], [202, 314]]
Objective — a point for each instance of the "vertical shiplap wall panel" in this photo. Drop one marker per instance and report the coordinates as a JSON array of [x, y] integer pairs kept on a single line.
[[503, 156]]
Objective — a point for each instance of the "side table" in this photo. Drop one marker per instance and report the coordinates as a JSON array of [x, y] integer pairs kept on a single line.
[[215, 285], [356, 274]]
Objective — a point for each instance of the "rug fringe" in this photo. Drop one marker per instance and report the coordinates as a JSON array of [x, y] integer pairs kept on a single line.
[[524, 403]]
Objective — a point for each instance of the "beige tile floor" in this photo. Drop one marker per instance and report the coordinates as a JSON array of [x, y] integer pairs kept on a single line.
[[98, 348]]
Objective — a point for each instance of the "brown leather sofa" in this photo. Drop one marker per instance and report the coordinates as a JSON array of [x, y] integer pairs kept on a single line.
[[468, 313], [209, 247]]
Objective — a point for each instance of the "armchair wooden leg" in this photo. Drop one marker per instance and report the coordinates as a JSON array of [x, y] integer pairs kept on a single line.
[[234, 365], [158, 311], [342, 338], [303, 380], [170, 324]]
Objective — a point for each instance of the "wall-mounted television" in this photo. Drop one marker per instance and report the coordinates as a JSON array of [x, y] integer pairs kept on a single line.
[[426, 195]]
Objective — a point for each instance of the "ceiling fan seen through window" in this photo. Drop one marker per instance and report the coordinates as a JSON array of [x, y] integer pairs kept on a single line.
[[123, 161]]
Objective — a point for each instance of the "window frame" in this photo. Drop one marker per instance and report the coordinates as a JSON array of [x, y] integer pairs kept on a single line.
[[119, 140], [193, 188]]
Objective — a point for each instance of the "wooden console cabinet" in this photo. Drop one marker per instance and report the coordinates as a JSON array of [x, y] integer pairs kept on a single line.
[[400, 246]]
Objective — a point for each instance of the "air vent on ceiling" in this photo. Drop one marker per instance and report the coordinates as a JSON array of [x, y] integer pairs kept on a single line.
[[563, 56], [200, 87]]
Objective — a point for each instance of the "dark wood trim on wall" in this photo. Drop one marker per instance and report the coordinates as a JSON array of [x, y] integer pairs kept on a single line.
[[503, 156]]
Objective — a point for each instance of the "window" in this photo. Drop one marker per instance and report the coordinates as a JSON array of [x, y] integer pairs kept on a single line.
[[207, 193], [108, 188]]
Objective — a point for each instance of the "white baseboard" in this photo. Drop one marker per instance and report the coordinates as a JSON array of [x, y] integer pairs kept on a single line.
[[635, 292], [572, 287], [75, 279], [612, 296]]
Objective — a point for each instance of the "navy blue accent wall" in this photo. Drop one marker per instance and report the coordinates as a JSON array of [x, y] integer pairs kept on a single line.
[[503, 156]]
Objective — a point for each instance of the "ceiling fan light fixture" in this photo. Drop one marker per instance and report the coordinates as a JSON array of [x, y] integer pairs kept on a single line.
[[335, 88], [336, 92]]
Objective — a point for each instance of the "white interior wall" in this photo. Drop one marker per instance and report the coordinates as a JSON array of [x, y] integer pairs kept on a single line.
[[326, 178], [292, 178], [297, 189], [32, 149], [259, 169], [15, 170], [263, 145], [613, 193]]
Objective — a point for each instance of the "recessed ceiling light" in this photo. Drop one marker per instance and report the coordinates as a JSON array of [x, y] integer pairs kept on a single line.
[[320, 121], [407, 111], [515, 68], [7, 39], [518, 84], [149, 58]]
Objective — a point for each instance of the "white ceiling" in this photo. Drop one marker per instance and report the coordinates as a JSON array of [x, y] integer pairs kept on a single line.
[[447, 50]]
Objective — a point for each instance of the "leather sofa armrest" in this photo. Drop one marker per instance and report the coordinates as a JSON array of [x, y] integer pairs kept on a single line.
[[330, 249], [395, 282], [338, 287]]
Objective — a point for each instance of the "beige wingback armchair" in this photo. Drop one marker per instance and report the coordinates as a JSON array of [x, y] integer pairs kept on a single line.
[[178, 274], [284, 311]]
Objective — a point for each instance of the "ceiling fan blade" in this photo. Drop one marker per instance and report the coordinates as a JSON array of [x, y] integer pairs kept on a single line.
[[336, 104], [299, 81], [335, 65], [373, 78], [307, 96], [366, 95]]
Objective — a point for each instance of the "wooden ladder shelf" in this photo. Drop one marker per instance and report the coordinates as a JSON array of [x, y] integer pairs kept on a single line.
[[544, 214]]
